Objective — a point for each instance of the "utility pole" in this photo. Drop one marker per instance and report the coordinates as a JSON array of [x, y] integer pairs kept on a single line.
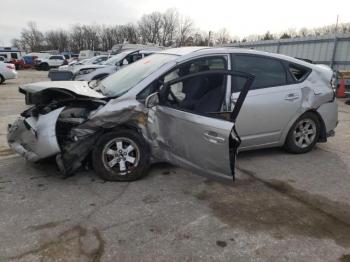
[[209, 39], [335, 42]]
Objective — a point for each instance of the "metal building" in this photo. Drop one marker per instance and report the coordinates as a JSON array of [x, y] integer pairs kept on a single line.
[[329, 50]]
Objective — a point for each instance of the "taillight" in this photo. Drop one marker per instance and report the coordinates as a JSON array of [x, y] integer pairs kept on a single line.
[[334, 81], [10, 66]]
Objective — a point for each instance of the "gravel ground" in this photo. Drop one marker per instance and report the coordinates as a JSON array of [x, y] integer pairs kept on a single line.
[[282, 207]]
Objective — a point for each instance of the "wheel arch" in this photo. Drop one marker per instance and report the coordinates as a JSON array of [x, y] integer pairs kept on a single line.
[[2, 79], [323, 133]]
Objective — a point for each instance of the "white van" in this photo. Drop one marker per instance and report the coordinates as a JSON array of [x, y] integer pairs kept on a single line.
[[10, 54], [85, 54]]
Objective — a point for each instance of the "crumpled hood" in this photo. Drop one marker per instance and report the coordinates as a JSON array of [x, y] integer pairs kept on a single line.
[[80, 88]]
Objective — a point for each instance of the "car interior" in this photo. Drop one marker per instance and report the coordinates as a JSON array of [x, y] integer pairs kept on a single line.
[[202, 94]]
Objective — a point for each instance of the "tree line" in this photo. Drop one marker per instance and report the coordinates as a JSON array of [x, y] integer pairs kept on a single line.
[[169, 28]]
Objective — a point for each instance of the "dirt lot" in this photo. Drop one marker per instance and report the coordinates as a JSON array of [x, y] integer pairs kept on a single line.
[[281, 208]]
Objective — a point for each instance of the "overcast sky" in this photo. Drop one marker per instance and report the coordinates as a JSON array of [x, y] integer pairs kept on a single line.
[[241, 18]]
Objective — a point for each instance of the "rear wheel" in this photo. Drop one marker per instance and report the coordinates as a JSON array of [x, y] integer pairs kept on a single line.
[[121, 156], [304, 134], [2, 79], [45, 67]]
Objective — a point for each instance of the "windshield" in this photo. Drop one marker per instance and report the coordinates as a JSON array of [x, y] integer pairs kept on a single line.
[[116, 58], [127, 77]]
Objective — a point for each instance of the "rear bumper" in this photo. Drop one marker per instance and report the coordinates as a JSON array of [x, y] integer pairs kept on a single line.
[[329, 114], [10, 74]]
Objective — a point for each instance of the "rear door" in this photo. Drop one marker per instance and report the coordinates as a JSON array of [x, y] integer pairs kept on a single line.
[[272, 102], [53, 60]]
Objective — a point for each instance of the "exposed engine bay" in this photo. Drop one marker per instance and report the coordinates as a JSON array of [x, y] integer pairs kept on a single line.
[[54, 118]]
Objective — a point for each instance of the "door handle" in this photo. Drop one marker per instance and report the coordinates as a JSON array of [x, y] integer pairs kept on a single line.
[[213, 137], [291, 97]]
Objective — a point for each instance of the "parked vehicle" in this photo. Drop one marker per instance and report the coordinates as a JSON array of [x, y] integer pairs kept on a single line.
[[7, 71], [96, 60], [12, 55], [181, 106], [99, 71], [50, 62], [86, 54]]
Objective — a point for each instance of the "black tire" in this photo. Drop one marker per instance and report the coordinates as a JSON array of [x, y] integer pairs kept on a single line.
[[296, 134], [45, 66], [101, 159], [2, 79]]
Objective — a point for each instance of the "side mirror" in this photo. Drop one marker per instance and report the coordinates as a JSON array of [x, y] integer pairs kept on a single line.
[[125, 62], [152, 100]]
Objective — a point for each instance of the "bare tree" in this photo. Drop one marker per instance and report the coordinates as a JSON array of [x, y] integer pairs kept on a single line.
[[304, 32], [200, 38], [57, 40], [129, 33], [32, 39], [150, 27], [91, 36], [76, 38], [170, 23], [185, 30], [222, 36], [16, 42]]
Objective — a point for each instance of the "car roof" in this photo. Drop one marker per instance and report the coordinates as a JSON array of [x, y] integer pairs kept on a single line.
[[181, 51], [188, 52]]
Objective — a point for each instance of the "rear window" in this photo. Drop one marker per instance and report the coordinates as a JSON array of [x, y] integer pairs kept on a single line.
[[299, 73], [268, 72], [14, 56]]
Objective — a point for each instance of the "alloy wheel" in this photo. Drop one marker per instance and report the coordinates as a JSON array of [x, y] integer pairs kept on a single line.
[[121, 155], [304, 133]]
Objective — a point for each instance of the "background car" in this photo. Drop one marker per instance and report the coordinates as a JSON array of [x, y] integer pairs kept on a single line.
[[99, 71], [74, 65], [50, 62], [13, 56], [7, 71]]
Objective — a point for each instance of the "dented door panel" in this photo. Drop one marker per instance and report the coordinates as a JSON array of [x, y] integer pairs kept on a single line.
[[195, 142]]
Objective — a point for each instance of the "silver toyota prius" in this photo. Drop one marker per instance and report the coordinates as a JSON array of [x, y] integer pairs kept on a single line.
[[193, 107]]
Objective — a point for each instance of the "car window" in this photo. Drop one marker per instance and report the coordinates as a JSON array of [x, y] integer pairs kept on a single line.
[[199, 94], [268, 72], [197, 65], [52, 57], [298, 72], [14, 55]]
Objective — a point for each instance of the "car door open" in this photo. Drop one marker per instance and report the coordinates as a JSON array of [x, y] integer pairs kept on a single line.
[[192, 132]]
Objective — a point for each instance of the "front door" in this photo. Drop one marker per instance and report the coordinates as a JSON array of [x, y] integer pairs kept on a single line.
[[190, 127]]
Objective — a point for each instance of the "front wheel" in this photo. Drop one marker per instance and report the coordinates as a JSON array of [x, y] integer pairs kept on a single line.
[[121, 156], [304, 134]]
